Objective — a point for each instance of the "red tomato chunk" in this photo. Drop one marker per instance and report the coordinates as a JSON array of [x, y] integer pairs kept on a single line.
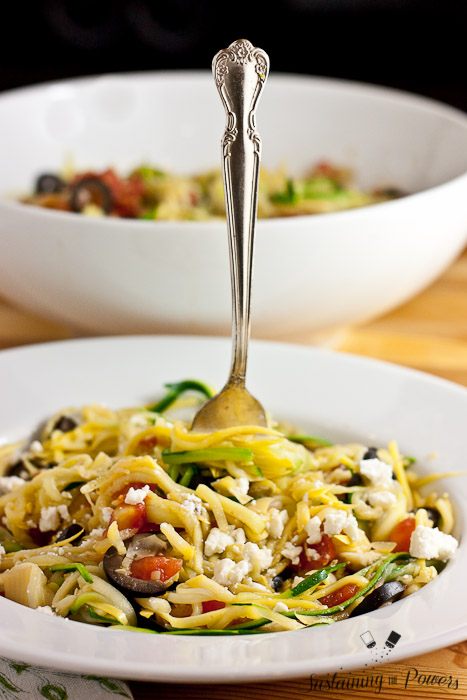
[[340, 595], [155, 568], [317, 555], [402, 533], [211, 605]]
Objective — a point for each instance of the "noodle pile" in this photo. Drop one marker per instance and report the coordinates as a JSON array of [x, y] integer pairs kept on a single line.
[[267, 531]]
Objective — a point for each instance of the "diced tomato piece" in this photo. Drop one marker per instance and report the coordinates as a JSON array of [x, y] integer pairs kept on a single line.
[[148, 442], [130, 517], [40, 539], [155, 568], [210, 605], [402, 533], [340, 595], [316, 556]]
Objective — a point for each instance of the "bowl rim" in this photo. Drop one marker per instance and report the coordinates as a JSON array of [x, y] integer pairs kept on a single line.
[[380, 91]]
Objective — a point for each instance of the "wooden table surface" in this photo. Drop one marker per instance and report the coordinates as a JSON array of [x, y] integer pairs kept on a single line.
[[428, 333]]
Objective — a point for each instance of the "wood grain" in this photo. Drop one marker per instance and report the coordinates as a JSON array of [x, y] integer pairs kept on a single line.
[[428, 333]]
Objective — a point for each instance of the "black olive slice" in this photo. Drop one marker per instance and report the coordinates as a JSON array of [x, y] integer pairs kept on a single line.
[[126, 583], [73, 529], [355, 480], [91, 190], [371, 453], [65, 424], [387, 593], [18, 469], [48, 183], [279, 580]]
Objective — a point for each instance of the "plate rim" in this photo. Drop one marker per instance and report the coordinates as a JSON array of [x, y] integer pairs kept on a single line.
[[62, 661]]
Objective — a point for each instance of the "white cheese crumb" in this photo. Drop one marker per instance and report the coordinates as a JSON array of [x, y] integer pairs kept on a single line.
[[97, 532], [106, 514], [257, 557], [135, 496], [351, 528], [297, 580], [63, 512], [35, 447], [291, 552], [378, 472], [337, 521], [217, 542], [385, 499], [2, 551], [277, 523], [10, 483], [45, 610], [431, 543], [228, 573], [242, 484], [239, 535], [192, 504], [334, 522], [50, 519], [313, 530], [280, 607]]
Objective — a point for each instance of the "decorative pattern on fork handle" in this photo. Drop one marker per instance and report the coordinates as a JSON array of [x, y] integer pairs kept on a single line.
[[240, 72]]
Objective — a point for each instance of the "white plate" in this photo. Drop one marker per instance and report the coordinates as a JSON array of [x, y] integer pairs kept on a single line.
[[333, 395]]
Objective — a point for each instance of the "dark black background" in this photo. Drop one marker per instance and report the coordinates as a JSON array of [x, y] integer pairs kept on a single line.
[[417, 45]]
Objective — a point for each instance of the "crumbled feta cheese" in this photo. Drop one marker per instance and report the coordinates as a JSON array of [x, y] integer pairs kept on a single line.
[[257, 557], [217, 542], [291, 552], [63, 512], [45, 610], [138, 420], [10, 483], [337, 521], [313, 530], [228, 573], [242, 484], [277, 523], [49, 520], [297, 580], [135, 496], [192, 504], [334, 522], [2, 551], [35, 447], [313, 554], [385, 499], [239, 535], [431, 543], [106, 514], [351, 527], [97, 532], [281, 607], [378, 472]]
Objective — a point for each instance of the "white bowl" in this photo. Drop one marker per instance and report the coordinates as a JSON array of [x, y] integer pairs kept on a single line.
[[332, 395], [311, 272]]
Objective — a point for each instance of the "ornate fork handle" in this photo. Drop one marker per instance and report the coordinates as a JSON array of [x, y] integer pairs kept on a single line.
[[240, 72]]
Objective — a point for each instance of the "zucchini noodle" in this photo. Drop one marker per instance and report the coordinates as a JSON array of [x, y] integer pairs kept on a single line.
[[127, 519]]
